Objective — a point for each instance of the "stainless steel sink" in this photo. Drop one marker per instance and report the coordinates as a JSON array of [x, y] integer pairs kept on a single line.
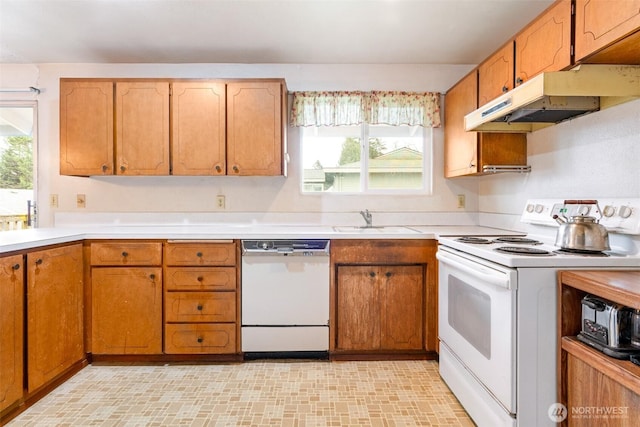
[[374, 229]]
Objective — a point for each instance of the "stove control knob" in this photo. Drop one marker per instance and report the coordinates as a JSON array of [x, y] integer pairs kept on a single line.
[[539, 208], [530, 208], [608, 211], [624, 211]]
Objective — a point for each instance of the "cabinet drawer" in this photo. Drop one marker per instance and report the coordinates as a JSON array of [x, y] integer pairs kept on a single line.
[[200, 307], [200, 279], [126, 253], [193, 338], [201, 254]]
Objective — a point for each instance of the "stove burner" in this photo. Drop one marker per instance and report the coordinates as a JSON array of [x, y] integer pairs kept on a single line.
[[474, 240], [519, 250], [580, 252], [520, 240]]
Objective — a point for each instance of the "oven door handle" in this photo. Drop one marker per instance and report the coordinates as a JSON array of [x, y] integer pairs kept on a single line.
[[489, 276]]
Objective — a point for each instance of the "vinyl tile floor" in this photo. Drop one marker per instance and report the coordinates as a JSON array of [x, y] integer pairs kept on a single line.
[[256, 393]]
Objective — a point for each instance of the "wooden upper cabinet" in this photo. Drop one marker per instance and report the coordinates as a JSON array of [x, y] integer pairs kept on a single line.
[[198, 139], [460, 147], [545, 44], [142, 128], [496, 74], [255, 111], [11, 330], [466, 153], [607, 31], [86, 127]]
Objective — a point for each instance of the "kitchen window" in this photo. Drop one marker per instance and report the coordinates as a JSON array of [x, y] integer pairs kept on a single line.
[[366, 142]]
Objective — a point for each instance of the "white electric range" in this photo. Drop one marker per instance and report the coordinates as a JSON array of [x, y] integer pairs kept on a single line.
[[497, 310]]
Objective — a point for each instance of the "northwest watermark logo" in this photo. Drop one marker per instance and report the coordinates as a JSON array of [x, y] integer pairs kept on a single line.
[[557, 412]]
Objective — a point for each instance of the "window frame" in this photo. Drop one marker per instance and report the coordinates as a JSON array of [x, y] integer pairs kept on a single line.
[[365, 190]]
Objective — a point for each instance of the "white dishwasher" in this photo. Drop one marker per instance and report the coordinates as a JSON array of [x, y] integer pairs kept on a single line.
[[285, 298]]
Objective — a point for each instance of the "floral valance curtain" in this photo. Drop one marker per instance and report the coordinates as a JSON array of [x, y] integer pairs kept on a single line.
[[354, 108]]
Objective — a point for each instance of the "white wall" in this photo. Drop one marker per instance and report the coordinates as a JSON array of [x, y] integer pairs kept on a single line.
[[593, 156], [243, 194], [590, 157]]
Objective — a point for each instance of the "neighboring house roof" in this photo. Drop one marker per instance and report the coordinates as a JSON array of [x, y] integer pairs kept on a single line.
[[401, 160]]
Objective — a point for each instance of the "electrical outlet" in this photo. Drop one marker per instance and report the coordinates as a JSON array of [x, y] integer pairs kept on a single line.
[[220, 202], [53, 199], [81, 200], [461, 201]]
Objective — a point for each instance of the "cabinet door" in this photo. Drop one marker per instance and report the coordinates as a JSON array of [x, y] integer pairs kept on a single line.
[[254, 128], [198, 137], [86, 128], [460, 147], [142, 128], [358, 311], [496, 74], [54, 312], [11, 330], [599, 23], [402, 293], [545, 44], [126, 310]]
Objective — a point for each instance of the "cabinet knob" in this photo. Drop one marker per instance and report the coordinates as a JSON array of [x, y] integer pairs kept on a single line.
[[235, 168], [125, 254], [152, 276], [199, 307], [200, 278], [372, 274], [218, 168], [105, 168], [388, 274], [519, 81], [16, 267], [505, 89], [200, 339], [122, 168], [199, 254], [39, 261]]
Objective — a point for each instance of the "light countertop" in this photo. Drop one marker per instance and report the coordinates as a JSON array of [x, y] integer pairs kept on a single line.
[[11, 241]]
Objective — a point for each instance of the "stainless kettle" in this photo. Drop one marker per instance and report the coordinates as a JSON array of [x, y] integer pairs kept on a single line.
[[582, 233]]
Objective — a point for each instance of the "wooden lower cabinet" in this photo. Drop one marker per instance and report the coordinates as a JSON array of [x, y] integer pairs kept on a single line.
[[201, 303], [383, 300], [11, 330], [380, 307], [126, 310], [54, 312], [597, 390], [595, 400]]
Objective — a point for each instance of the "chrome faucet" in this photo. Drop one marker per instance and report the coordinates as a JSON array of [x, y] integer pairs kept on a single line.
[[367, 217]]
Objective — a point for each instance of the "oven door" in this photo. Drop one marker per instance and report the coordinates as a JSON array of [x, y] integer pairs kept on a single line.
[[477, 320]]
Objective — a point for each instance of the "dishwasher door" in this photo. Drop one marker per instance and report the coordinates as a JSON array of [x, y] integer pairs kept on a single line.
[[285, 303]]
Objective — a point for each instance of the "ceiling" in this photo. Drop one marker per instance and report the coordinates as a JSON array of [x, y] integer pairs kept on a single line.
[[259, 31]]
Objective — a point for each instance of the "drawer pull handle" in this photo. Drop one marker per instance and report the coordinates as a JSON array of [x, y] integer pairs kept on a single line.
[[152, 276], [200, 307], [200, 278], [372, 274], [39, 261], [200, 339], [388, 274], [125, 254], [16, 266], [199, 254]]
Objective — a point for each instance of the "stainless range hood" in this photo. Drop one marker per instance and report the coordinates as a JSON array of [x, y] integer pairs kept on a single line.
[[550, 98]]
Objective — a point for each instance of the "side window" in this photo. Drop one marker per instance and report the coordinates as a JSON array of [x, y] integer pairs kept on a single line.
[[17, 168], [366, 159]]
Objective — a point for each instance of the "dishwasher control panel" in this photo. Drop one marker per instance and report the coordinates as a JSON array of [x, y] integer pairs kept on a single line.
[[306, 247]]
